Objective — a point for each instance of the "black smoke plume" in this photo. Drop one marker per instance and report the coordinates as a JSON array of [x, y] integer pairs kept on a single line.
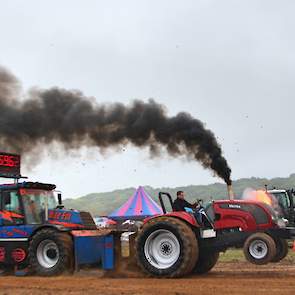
[[70, 118]]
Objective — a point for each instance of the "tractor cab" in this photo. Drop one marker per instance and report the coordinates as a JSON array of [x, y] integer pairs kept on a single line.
[[22, 203], [198, 217], [33, 204], [285, 200], [26, 203]]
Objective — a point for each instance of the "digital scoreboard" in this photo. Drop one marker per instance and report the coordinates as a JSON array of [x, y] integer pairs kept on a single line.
[[9, 165]]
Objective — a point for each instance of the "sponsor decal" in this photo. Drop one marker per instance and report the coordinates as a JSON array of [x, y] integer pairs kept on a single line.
[[8, 215], [235, 206], [60, 215], [13, 232], [5, 232], [20, 232]]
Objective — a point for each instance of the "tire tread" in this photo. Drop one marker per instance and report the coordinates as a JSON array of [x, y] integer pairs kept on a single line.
[[271, 247], [65, 244], [189, 252]]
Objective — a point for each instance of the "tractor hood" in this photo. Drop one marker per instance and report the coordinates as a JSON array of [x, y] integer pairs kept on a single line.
[[72, 219], [247, 215]]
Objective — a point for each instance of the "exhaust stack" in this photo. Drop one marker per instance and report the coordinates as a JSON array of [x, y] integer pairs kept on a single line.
[[230, 191]]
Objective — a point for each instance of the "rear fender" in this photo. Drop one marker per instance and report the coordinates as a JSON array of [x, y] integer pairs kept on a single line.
[[181, 215], [49, 226]]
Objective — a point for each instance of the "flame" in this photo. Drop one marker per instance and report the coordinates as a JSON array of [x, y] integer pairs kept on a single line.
[[259, 196], [263, 196]]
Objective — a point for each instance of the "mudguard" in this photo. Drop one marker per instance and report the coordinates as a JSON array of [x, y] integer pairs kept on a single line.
[[186, 217]]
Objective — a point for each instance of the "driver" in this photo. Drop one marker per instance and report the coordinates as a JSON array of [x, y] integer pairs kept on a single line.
[[33, 210], [180, 203]]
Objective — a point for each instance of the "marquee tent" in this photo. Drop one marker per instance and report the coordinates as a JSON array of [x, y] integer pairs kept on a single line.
[[139, 206]]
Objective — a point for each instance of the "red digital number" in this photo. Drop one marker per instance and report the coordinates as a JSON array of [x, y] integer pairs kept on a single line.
[[8, 161], [9, 165]]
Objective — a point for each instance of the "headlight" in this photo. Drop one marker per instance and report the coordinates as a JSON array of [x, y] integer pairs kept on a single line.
[[281, 222]]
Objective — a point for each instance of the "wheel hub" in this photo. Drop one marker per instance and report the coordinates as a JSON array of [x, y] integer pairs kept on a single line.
[[166, 248], [162, 249], [51, 253], [47, 253], [258, 249]]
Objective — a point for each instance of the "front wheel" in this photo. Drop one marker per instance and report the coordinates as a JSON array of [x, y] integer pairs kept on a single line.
[[259, 248], [50, 252]]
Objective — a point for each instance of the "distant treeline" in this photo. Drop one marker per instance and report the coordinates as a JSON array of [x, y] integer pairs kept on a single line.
[[104, 203]]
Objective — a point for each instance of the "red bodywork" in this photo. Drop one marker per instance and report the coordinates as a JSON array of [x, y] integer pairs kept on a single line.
[[189, 218], [229, 217]]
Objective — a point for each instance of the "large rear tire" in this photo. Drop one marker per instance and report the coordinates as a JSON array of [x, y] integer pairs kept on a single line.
[[260, 248], [207, 260], [282, 249], [166, 247], [50, 252]]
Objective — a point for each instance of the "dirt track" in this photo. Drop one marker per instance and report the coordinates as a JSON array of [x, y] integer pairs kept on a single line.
[[225, 278]]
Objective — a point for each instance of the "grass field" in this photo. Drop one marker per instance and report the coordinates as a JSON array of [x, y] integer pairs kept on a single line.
[[236, 255]]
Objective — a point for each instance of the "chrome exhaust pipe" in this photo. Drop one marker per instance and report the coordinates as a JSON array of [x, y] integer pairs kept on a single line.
[[230, 192]]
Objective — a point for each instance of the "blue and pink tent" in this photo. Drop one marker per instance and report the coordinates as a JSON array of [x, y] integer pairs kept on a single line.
[[139, 206]]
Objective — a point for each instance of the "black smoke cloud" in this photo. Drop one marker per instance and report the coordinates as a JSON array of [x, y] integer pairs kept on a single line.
[[73, 120]]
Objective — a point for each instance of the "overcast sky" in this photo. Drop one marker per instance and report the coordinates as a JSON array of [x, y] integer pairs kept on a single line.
[[229, 63]]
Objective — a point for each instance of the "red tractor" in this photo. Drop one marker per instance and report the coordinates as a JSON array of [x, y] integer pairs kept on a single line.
[[179, 243]]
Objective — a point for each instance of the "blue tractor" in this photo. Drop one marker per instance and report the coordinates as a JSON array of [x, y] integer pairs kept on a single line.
[[38, 235]]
